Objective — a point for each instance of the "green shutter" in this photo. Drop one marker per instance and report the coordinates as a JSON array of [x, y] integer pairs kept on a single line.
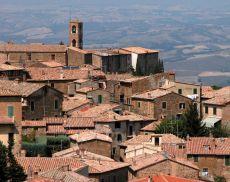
[[227, 160], [10, 111], [100, 99]]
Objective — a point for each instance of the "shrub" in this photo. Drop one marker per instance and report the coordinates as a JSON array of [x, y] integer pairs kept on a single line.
[[34, 149]]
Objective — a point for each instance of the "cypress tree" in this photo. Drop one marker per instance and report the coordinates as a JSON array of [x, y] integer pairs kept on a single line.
[[193, 122], [16, 172], [4, 174]]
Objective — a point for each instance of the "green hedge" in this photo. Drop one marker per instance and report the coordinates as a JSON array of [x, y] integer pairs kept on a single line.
[[33, 149], [58, 143]]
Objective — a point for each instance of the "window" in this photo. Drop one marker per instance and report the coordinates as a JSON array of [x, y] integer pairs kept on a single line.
[[29, 56], [179, 91], [205, 172], [74, 29], [10, 137], [52, 56], [99, 99], [214, 110], [195, 158], [32, 106], [157, 141], [74, 43], [114, 179], [122, 99], [182, 106], [114, 151], [56, 104], [52, 85], [178, 116], [195, 91], [164, 105], [227, 160], [117, 125], [102, 180], [128, 101], [138, 104], [130, 130], [206, 109], [10, 111], [119, 138]]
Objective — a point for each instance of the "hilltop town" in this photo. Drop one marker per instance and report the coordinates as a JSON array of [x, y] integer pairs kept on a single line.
[[106, 115]]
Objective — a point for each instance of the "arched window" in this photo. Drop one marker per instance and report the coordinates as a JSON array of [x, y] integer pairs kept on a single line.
[[74, 29], [74, 43], [119, 138]]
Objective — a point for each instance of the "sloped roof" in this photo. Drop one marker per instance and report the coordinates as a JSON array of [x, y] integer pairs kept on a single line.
[[90, 135], [32, 48], [219, 100], [42, 164], [151, 95], [140, 50], [7, 92], [208, 146], [7, 67], [23, 88], [70, 104]]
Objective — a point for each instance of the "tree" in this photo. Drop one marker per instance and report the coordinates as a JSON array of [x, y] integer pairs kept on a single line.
[[4, 175], [193, 123], [219, 179], [220, 132], [176, 127], [61, 43], [16, 172]]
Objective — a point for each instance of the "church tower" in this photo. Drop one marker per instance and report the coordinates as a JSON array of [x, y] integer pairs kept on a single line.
[[76, 34]]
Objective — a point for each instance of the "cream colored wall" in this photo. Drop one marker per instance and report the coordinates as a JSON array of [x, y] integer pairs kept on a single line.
[[219, 111]]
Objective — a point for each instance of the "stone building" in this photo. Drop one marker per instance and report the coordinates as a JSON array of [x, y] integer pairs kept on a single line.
[[38, 100], [93, 142], [154, 164], [10, 118], [160, 104], [30, 53], [9, 72], [76, 34], [78, 57], [122, 126], [211, 155], [62, 78], [143, 61], [124, 87], [192, 91]]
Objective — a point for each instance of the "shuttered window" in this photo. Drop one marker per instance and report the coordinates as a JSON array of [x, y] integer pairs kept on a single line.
[[10, 111]]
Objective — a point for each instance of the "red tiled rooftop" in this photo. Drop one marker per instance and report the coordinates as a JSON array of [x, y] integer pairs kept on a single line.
[[55, 129], [42, 164], [7, 67], [164, 178], [42, 179], [28, 123], [208, 146], [219, 100], [70, 104], [151, 95], [140, 50]]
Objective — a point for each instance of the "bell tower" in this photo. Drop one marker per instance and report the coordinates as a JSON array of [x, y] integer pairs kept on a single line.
[[76, 34]]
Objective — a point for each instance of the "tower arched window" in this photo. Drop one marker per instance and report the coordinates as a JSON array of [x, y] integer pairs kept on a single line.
[[74, 43], [74, 29]]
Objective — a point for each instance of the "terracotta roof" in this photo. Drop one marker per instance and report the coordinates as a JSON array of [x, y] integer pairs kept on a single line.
[[151, 95], [23, 88], [55, 129], [208, 146], [218, 100], [74, 131], [7, 92], [134, 79], [140, 50], [85, 90], [41, 74], [151, 127], [42, 179], [140, 139], [70, 104], [90, 135], [79, 122], [76, 153], [55, 120], [95, 111], [64, 176], [7, 67], [109, 51], [145, 160], [51, 64], [225, 91], [28, 123], [32, 48], [42, 164], [83, 51], [164, 178], [177, 150], [103, 166]]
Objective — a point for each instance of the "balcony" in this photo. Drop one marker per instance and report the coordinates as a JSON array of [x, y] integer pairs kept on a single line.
[[5, 120]]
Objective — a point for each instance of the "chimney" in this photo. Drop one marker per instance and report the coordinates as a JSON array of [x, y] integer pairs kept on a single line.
[[66, 168], [187, 137], [61, 74]]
